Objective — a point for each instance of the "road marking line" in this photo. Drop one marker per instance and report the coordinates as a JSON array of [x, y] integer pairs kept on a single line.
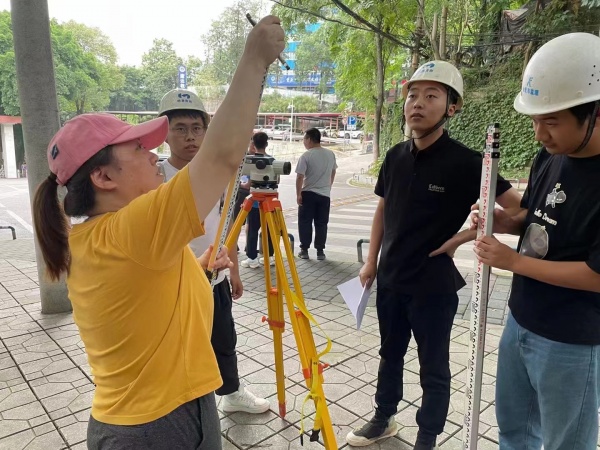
[[21, 221]]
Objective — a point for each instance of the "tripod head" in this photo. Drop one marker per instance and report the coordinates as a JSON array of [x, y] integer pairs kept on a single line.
[[264, 171]]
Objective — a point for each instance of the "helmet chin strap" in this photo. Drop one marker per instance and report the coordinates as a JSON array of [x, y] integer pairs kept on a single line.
[[590, 129]]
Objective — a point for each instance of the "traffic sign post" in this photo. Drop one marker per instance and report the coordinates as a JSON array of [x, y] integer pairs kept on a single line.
[[351, 123]]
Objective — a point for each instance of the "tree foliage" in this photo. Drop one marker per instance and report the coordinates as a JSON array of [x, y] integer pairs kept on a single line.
[[278, 103], [226, 38], [85, 68]]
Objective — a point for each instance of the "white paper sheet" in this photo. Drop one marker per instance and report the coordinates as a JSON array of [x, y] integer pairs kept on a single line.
[[356, 297]]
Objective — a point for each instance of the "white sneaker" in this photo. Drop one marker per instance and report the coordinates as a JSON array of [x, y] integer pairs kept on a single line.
[[251, 263], [261, 260], [245, 401]]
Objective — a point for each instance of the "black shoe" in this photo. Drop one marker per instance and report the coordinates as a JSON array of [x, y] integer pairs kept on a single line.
[[379, 427], [303, 254], [424, 443], [320, 255]]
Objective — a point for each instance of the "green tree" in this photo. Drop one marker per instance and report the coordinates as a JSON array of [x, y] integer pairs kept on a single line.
[[133, 94], [314, 56], [159, 67], [84, 81], [364, 39], [226, 38]]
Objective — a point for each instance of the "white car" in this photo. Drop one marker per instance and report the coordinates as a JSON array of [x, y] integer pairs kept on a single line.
[[278, 131], [352, 134]]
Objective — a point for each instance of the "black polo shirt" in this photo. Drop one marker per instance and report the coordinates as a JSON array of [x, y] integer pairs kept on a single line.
[[562, 224], [428, 195]]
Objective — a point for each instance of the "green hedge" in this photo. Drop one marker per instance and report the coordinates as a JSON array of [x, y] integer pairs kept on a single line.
[[495, 104]]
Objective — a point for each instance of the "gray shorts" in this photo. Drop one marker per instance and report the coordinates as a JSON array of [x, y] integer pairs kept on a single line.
[[194, 425]]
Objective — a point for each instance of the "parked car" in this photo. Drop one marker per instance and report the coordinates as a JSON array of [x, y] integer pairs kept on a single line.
[[352, 134], [277, 131], [328, 131], [297, 135]]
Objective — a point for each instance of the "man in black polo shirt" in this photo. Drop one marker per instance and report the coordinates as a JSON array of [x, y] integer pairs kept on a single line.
[[426, 188], [548, 375]]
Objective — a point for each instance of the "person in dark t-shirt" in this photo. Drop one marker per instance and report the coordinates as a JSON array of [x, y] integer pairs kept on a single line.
[[426, 187], [548, 375]]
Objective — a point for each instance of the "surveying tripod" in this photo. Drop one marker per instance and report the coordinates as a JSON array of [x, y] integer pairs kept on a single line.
[[273, 225]]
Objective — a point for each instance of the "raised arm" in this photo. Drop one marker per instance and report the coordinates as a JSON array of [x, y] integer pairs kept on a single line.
[[227, 136]]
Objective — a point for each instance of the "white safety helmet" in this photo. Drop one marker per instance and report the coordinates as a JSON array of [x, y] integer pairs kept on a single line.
[[563, 73], [180, 99], [442, 72]]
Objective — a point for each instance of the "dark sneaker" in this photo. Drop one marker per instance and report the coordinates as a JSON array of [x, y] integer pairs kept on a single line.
[[379, 427], [303, 254], [320, 255], [420, 446], [425, 442]]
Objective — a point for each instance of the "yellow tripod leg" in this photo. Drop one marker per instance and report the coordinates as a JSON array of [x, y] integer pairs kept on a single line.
[[311, 368], [235, 230], [275, 318]]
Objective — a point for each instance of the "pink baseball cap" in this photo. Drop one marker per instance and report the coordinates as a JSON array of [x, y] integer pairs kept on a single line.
[[85, 135]]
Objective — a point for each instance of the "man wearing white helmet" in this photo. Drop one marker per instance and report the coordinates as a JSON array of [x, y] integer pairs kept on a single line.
[[426, 187], [548, 377], [188, 121]]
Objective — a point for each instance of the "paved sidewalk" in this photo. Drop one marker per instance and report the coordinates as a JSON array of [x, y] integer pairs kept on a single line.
[[46, 389]]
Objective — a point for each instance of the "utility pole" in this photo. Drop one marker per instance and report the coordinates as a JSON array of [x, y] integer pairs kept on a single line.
[[39, 112]]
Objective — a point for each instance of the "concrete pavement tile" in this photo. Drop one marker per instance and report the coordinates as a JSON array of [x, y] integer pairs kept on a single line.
[[15, 322], [245, 436], [65, 335], [487, 416], [9, 427], [334, 392], [49, 321], [46, 366], [27, 411], [247, 366], [27, 440], [358, 402], [8, 302], [12, 400], [226, 423], [27, 296], [74, 427], [71, 401], [242, 418], [280, 443], [492, 434], [226, 445]]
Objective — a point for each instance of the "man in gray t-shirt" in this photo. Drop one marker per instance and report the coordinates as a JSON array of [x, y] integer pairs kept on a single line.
[[315, 174]]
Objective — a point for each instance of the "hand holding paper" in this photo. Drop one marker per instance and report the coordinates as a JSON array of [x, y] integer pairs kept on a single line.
[[356, 297]]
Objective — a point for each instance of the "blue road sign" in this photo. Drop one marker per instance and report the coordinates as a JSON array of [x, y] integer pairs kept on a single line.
[[182, 77]]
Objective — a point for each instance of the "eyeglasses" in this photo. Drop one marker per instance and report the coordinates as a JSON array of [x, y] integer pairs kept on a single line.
[[183, 131]]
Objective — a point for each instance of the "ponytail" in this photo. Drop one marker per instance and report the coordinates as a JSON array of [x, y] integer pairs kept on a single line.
[[51, 220], [52, 228]]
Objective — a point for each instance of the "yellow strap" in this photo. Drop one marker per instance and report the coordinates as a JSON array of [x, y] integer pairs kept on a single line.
[[315, 375]]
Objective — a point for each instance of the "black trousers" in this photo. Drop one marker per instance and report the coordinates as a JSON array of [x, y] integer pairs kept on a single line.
[[224, 338], [314, 208], [430, 319], [252, 238]]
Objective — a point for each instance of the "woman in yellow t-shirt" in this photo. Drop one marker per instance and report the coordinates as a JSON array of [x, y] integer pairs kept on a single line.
[[140, 299]]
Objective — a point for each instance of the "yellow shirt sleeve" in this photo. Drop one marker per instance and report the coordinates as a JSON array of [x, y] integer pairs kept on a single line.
[[155, 227]]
